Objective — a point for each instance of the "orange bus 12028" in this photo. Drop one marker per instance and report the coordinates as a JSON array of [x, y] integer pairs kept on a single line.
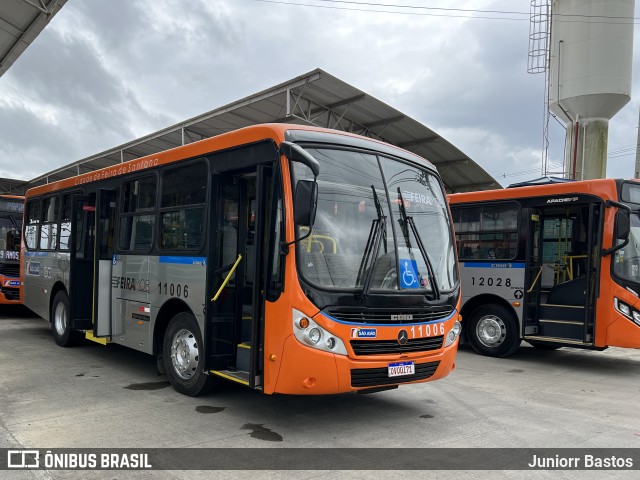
[[556, 265]]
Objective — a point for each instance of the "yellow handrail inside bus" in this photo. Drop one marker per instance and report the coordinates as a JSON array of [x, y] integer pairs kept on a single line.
[[307, 242], [226, 280], [568, 260], [535, 281]]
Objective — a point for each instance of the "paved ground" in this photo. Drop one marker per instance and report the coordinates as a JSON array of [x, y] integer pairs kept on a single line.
[[95, 396]]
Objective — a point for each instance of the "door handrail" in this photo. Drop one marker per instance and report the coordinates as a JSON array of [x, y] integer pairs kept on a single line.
[[227, 278], [535, 281]]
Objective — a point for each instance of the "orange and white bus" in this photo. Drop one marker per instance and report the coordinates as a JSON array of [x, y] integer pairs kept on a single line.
[[290, 259], [10, 230], [556, 265]]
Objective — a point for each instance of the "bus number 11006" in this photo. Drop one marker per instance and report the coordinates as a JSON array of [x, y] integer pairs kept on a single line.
[[173, 289]]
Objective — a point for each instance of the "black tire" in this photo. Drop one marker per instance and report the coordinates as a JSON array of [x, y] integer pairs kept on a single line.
[[543, 346], [61, 322], [183, 342], [492, 330]]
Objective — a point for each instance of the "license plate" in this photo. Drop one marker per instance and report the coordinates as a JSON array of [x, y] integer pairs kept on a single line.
[[401, 369]]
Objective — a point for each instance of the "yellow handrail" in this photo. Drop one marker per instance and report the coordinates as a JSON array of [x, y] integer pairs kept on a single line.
[[315, 238], [535, 281], [226, 280]]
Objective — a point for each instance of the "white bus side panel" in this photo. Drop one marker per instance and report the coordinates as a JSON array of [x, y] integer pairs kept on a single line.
[[141, 285], [503, 279], [42, 271]]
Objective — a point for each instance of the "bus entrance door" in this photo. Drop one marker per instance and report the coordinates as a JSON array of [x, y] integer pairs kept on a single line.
[[561, 274], [103, 262], [81, 243], [234, 331]]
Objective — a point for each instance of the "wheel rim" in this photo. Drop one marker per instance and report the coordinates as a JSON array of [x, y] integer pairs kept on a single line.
[[60, 318], [491, 331], [184, 354]]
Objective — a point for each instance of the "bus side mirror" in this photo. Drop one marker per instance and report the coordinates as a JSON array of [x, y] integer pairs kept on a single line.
[[305, 203], [623, 225], [296, 153]]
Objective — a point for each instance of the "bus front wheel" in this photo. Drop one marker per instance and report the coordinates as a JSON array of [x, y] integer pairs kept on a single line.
[[63, 334], [493, 331], [183, 355]]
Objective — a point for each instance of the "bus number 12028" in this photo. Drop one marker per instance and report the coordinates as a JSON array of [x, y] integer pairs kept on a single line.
[[491, 282], [173, 289]]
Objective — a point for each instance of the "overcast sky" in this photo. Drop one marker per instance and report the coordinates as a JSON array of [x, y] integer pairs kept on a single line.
[[106, 72]]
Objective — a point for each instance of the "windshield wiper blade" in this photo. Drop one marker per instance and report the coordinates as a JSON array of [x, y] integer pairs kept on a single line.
[[407, 222], [377, 235]]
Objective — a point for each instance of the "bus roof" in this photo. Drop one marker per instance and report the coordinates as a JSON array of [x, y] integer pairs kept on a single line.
[[243, 136], [11, 197], [604, 188]]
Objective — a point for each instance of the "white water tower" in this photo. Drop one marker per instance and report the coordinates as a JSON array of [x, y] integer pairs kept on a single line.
[[591, 47]]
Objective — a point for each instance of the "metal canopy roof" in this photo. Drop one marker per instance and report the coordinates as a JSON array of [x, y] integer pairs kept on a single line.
[[20, 23], [316, 98], [13, 187]]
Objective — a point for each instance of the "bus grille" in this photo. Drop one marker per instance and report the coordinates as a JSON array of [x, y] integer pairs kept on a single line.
[[385, 347], [11, 293], [10, 270], [371, 377], [380, 316]]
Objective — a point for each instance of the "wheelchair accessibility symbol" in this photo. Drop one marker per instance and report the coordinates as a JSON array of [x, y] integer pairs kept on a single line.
[[409, 277]]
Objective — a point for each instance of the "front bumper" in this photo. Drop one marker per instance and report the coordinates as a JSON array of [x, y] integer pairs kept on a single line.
[[307, 371]]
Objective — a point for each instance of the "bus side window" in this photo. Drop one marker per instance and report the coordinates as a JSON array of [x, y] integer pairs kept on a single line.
[[49, 226], [489, 232], [32, 223], [137, 214], [65, 224], [183, 197]]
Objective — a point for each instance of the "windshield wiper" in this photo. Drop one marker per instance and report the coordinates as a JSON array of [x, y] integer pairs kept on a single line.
[[377, 235], [407, 222]]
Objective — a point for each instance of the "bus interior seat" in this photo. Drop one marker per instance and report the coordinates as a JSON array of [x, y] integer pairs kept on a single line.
[[572, 292], [314, 267], [343, 268]]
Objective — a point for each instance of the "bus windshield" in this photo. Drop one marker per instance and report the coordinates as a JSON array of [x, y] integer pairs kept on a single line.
[[9, 237], [362, 238], [627, 260]]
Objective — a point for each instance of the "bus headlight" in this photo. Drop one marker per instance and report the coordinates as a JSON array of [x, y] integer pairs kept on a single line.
[[313, 335], [453, 334], [626, 310]]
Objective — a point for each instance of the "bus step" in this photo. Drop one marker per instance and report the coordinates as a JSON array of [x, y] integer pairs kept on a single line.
[[237, 376], [567, 341], [562, 312], [561, 329], [243, 356], [101, 340]]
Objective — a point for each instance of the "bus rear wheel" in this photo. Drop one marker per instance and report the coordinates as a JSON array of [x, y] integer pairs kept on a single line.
[[493, 331], [183, 356], [61, 322]]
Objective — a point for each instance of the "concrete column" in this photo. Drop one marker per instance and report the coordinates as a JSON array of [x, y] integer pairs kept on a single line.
[[589, 153]]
